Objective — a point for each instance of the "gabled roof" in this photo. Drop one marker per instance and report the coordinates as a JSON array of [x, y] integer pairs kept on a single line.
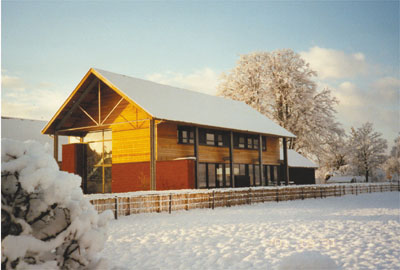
[[175, 104], [297, 160]]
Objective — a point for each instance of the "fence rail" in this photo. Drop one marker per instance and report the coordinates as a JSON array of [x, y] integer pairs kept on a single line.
[[136, 203]]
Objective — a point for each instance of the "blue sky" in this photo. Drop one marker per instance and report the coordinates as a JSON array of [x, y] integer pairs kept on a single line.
[[47, 47]]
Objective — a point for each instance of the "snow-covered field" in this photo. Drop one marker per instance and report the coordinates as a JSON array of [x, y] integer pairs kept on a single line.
[[350, 232]]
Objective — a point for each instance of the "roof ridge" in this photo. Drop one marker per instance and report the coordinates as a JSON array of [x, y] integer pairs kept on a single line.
[[167, 85]]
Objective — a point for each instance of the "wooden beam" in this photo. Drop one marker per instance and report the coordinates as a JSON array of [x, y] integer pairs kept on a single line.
[[196, 154], [99, 97], [112, 110], [88, 115], [285, 162], [55, 146], [260, 161], [76, 104], [105, 126], [152, 155], [231, 159]]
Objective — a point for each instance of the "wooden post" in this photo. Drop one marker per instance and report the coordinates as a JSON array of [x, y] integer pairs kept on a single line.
[[116, 208], [213, 199], [55, 141], [260, 160], [129, 206], [152, 155], [285, 162], [99, 97], [170, 204], [231, 159], [196, 155]]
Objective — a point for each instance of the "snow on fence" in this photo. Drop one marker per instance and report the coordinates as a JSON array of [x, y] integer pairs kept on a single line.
[[124, 204]]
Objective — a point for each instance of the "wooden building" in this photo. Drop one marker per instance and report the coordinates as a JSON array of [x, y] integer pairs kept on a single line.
[[128, 134]]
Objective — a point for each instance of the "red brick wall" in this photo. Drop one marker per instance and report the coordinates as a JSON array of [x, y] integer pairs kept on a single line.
[[176, 174], [130, 177]]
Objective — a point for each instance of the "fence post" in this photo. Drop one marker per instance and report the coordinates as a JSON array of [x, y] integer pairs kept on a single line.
[[116, 207], [302, 193], [129, 206], [213, 200], [170, 204], [277, 195], [356, 190], [321, 191], [249, 196]]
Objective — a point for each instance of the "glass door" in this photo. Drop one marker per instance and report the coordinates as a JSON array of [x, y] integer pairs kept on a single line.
[[99, 161]]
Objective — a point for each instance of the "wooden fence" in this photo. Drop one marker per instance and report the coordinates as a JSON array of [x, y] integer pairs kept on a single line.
[[162, 201]]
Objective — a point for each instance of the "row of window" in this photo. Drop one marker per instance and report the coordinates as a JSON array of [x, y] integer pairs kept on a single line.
[[220, 138], [217, 175]]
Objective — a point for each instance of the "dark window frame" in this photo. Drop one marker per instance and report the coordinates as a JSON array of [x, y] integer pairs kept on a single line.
[[241, 141], [189, 139]]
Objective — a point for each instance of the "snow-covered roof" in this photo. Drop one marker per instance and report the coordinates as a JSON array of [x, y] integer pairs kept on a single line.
[[26, 129], [297, 160], [175, 104], [346, 179]]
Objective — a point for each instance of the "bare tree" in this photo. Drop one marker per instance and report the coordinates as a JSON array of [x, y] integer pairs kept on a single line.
[[280, 85], [392, 164], [366, 149]]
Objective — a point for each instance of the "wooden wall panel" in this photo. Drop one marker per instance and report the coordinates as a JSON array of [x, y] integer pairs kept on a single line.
[[169, 149], [131, 145], [167, 143]]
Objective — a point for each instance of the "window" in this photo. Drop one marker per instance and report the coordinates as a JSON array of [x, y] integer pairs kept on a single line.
[[241, 142], [220, 140], [202, 180], [99, 162], [213, 137], [213, 175], [255, 143], [248, 141], [210, 138], [185, 135]]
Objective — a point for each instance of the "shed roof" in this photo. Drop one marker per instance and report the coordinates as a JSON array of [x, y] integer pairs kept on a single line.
[[297, 160], [175, 104]]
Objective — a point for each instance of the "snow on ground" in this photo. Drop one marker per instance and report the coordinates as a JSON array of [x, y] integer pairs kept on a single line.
[[350, 232]]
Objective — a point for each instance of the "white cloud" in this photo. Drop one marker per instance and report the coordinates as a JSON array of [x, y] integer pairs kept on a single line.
[[33, 101], [387, 89], [377, 104], [335, 64], [12, 82], [204, 80]]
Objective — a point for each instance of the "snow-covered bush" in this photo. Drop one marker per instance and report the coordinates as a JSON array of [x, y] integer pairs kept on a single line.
[[46, 223]]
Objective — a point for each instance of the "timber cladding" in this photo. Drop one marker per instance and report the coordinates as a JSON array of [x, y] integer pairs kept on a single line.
[[168, 149]]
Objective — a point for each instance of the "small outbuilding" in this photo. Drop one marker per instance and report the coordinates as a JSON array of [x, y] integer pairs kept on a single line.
[[301, 169]]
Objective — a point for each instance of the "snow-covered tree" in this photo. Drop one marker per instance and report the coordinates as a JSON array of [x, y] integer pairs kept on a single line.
[[367, 149], [392, 164], [280, 85], [46, 223]]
